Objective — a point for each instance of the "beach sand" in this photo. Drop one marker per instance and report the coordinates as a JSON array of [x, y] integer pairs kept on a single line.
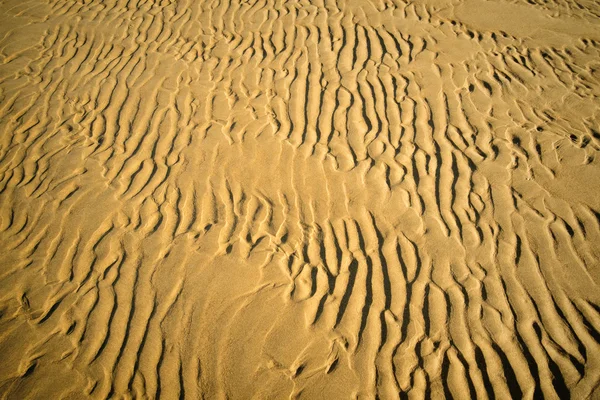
[[325, 199]]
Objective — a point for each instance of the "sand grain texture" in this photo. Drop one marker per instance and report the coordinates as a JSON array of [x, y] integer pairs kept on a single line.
[[299, 199]]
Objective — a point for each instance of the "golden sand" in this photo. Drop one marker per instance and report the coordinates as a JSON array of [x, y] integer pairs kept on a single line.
[[326, 199]]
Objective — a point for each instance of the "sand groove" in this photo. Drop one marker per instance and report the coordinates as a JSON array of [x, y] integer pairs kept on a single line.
[[275, 199]]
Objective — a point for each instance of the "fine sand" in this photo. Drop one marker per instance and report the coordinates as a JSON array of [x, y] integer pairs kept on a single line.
[[324, 199]]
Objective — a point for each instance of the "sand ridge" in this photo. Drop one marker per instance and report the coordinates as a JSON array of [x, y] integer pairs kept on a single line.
[[299, 199]]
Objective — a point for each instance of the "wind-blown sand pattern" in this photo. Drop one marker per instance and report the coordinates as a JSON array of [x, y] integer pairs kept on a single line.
[[300, 199]]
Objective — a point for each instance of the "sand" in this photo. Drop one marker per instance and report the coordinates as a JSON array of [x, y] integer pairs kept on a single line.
[[326, 199]]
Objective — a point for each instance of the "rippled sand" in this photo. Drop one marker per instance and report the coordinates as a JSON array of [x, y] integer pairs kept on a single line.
[[319, 199]]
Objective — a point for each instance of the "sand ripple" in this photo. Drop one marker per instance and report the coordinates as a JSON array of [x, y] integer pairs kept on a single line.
[[299, 199]]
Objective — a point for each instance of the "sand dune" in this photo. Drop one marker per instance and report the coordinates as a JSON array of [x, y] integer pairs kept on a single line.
[[300, 199]]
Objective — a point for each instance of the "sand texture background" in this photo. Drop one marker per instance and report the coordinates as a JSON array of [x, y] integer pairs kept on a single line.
[[326, 199]]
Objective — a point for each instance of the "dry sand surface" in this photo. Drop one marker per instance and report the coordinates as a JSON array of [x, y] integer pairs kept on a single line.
[[324, 199]]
